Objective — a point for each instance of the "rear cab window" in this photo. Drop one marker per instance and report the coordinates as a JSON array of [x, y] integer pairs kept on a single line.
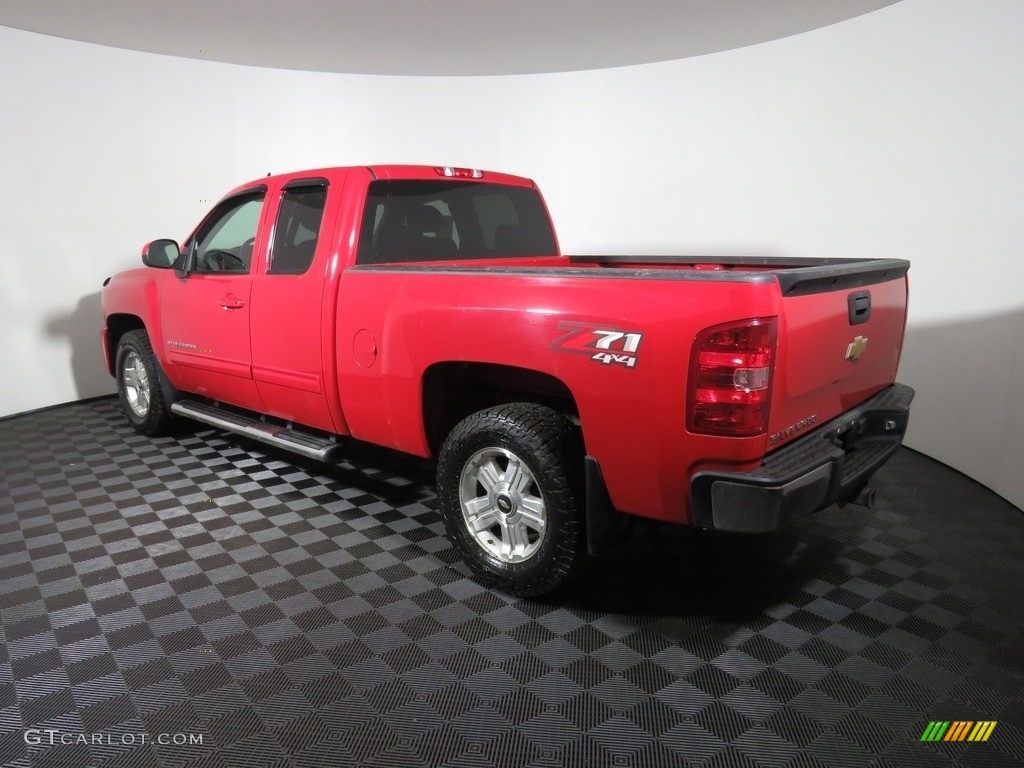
[[412, 221]]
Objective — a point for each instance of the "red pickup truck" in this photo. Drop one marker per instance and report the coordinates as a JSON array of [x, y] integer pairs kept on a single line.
[[430, 310]]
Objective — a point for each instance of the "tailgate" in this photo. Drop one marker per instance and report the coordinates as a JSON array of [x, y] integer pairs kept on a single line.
[[840, 334]]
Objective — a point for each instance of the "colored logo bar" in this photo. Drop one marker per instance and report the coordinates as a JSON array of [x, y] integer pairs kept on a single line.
[[958, 730]]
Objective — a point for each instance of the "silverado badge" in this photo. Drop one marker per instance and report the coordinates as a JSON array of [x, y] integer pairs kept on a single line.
[[856, 348]]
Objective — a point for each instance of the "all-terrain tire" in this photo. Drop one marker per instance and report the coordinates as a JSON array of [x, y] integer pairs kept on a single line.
[[138, 375], [509, 482]]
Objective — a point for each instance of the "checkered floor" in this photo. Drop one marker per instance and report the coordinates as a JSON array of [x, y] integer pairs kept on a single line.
[[269, 611]]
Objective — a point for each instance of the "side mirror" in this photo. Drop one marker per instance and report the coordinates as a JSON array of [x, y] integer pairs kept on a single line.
[[161, 254]]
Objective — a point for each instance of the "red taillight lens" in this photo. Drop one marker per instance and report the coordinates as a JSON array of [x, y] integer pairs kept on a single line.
[[730, 378]]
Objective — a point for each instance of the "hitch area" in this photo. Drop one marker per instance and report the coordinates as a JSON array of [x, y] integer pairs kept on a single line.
[[865, 497]]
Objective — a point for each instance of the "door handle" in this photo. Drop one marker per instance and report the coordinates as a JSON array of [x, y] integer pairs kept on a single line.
[[231, 302]]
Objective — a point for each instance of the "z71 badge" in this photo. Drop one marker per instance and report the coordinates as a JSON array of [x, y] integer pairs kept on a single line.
[[605, 344]]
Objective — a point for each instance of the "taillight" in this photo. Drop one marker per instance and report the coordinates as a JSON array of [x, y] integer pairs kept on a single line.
[[730, 378]]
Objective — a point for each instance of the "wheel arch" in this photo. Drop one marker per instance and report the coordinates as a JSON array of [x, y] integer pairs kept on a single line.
[[118, 324], [452, 391]]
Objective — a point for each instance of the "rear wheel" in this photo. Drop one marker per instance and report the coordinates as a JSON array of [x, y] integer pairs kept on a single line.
[[509, 483], [138, 385]]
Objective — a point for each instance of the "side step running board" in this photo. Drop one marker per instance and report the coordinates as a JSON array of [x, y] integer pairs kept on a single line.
[[305, 443]]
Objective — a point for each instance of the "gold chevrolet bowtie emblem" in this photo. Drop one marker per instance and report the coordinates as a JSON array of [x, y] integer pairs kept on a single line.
[[856, 348]]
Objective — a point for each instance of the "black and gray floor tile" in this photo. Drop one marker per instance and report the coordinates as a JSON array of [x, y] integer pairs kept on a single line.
[[203, 600]]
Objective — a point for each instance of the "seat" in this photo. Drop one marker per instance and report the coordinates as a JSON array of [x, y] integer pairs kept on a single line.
[[421, 233], [294, 259], [294, 251], [509, 239], [392, 241], [430, 233]]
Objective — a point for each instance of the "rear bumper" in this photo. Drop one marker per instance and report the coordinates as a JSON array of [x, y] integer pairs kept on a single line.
[[828, 465]]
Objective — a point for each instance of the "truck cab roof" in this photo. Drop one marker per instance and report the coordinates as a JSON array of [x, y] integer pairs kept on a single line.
[[390, 172]]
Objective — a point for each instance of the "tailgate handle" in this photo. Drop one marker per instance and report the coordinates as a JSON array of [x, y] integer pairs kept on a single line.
[[860, 307]]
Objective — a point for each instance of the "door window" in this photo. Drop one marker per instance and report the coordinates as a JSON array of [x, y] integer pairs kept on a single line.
[[225, 240], [298, 229]]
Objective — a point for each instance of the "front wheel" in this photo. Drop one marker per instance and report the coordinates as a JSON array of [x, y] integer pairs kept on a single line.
[[509, 485], [138, 385]]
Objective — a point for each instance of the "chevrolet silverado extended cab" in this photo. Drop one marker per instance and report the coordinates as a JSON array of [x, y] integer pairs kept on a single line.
[[430, 310]]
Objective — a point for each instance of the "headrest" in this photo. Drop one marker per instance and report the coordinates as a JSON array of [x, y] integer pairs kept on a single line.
[[427, 220]]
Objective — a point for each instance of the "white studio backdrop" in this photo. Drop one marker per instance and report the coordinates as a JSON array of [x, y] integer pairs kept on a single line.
[[895, 134]]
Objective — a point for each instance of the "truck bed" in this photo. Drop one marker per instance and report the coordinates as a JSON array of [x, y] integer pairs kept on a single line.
[[795, 276]]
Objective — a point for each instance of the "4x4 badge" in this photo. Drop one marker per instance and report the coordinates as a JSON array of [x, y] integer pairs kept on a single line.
[[856, 348]]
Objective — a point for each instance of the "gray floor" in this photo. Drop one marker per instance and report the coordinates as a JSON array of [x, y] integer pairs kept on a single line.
[[288, 614]]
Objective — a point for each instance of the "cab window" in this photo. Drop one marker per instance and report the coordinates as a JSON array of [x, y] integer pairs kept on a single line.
[[418, 220]]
